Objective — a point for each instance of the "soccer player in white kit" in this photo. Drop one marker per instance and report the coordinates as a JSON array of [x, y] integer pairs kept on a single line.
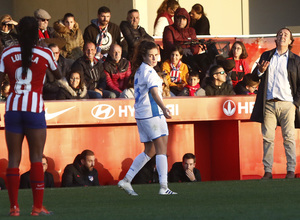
[[150, 114]]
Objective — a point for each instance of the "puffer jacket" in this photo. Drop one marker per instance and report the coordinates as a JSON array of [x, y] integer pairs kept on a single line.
[[173, 35], [74, 40]]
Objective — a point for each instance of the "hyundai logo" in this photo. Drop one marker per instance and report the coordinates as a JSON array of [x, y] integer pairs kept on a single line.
[[229, 108], [103, 111]]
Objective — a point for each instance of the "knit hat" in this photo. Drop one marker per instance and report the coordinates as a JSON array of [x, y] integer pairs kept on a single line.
[[42, 14]]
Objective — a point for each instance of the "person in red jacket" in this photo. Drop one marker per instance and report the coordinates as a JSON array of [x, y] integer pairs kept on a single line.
[[165, 13], [238, 53], [180, 33], [117, 70]]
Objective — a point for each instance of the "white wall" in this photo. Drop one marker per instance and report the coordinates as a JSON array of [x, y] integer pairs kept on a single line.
[[227, 17]]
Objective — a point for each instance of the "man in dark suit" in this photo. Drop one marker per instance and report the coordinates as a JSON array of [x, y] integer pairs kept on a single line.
[[277, 100]]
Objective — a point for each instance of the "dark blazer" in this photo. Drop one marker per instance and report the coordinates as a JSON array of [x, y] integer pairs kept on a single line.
[[293, 69], [177, 174]]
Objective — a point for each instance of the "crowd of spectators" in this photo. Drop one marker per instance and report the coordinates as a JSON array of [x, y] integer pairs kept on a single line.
[[96, 63]]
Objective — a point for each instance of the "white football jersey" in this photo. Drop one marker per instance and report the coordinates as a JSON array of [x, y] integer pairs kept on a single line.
[[146, 78]]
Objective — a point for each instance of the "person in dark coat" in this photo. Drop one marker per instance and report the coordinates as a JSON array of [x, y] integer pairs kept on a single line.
[[104, 33], [199, 21], [81, 172], [51, 85], [92, 72], [247, 86], [185, 171], [181, 34], [216, 83], [132, 31], [48, 177], [148, 174], [278, 99]]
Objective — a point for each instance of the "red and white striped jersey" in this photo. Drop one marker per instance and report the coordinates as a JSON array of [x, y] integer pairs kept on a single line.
[[26, 93]]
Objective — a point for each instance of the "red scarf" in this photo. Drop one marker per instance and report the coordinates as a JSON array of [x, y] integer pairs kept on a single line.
[[43, 35], [165, 14], [192, 89], [175, 73]]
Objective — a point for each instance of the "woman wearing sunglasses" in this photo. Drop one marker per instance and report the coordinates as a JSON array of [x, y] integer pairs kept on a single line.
[[8, 33]]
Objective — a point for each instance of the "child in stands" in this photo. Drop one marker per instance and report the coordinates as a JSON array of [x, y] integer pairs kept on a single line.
[[193, 86], [176, 70]]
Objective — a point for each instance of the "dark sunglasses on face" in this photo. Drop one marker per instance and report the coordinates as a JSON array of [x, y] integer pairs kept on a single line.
[[222, 72], [44, 19], [4, 24]]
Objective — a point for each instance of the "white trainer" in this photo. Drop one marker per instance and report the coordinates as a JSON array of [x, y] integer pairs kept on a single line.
[[127, 187], [166, 191]]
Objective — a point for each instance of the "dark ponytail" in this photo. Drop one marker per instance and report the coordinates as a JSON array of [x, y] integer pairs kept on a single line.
[[28, 38]]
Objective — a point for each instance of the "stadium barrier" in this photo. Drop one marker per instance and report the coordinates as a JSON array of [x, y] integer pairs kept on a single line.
[[217, 129]]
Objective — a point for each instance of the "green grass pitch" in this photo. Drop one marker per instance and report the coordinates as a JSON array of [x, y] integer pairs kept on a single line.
[[251, 199]]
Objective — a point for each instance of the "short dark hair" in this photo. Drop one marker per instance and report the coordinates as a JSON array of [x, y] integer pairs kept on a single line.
[[291, 37], [53, 45], [103, 9], [86, 153], [177, 48], [131, 11], [88, 42], [189, 156], [248, 80], [198, 8], [214, 68], [67, 15], [194, 74]]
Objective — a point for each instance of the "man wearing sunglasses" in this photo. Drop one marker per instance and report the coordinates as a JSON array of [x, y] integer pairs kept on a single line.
[[216, 83], [47, 34], [278, 100]]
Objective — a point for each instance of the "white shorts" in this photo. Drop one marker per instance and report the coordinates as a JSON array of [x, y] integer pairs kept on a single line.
[[152, 128]]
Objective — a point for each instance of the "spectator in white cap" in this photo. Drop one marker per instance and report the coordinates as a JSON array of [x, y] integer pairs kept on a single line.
[[46, 33]]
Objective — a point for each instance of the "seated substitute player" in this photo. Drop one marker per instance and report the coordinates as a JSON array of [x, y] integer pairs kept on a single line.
[[148, 174], [185, 171], [48, 177], [81, 172]]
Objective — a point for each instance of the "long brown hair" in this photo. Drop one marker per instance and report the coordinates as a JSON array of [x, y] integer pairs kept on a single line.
[[167, 4], [141, 50], [244, 53]]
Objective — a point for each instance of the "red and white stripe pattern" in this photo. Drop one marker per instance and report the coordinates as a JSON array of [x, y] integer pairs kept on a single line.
[[175, 73], [29, 102], [26, 93]]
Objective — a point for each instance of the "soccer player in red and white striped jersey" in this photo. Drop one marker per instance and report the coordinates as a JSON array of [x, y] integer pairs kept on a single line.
[[26, 64]]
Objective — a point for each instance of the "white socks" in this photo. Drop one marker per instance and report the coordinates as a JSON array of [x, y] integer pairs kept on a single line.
[[162, 169], [136, 166]]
